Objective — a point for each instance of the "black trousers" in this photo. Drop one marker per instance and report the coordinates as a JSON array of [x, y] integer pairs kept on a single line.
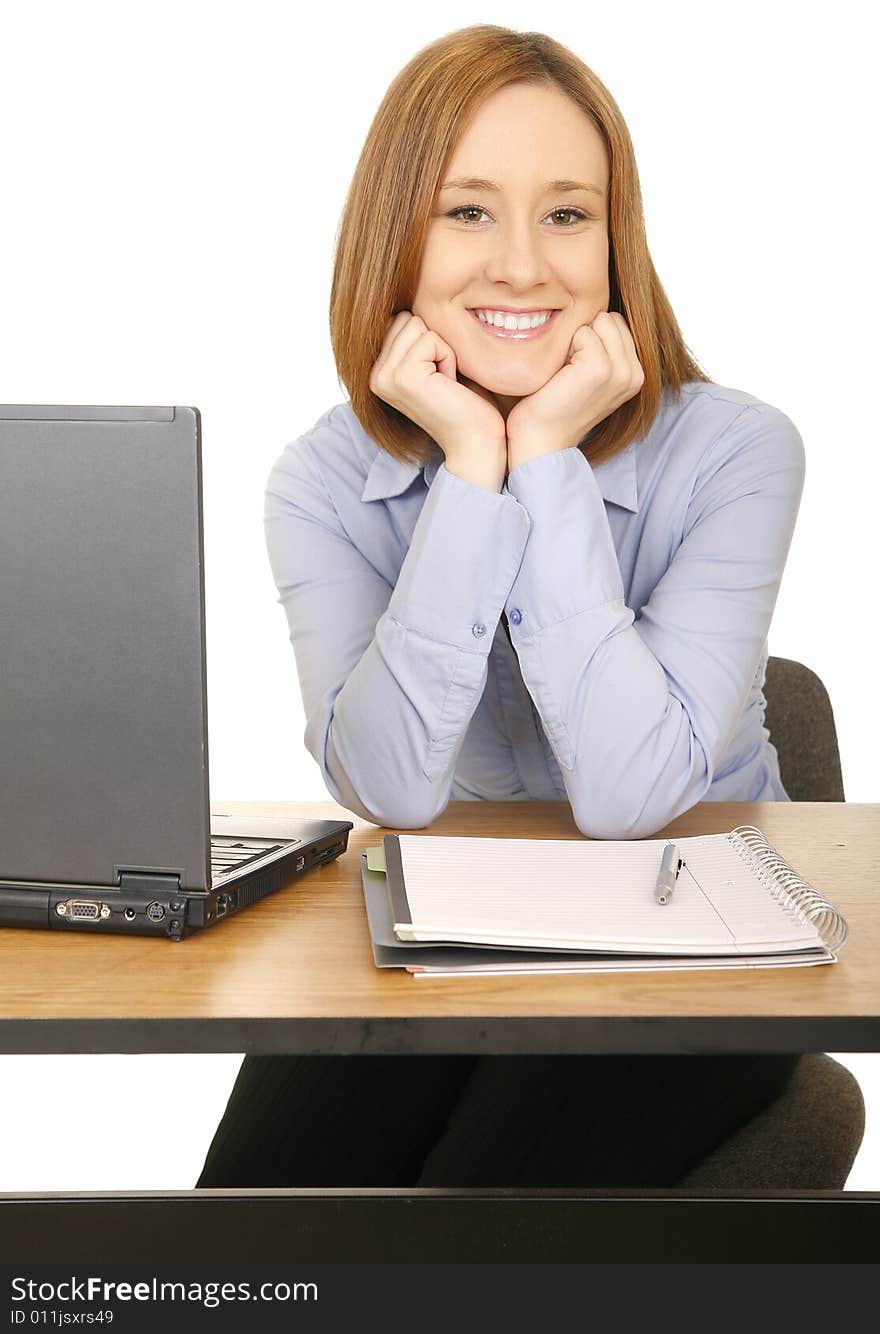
[[427, 1120]]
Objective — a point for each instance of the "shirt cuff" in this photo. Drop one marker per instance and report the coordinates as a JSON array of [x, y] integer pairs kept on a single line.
[[465, 552], [570, 564]]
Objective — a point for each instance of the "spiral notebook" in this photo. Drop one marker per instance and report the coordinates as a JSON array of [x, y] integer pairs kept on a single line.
[[442, 906]]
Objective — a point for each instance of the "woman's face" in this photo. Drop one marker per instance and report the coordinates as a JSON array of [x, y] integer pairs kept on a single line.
[[518, 246]]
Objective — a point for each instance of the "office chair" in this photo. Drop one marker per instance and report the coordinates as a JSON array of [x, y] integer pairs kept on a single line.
[[801, 726], [808, 1138]]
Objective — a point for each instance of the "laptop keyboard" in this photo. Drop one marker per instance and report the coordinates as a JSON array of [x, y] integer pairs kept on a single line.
[[231, 854]]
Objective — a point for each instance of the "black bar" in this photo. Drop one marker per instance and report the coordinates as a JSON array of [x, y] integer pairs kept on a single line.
[[409, 1226], [479, 1034]]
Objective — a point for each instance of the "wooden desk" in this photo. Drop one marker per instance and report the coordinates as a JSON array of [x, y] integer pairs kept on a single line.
[[296, 973]]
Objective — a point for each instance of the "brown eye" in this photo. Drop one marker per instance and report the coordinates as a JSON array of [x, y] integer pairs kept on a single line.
[[573, 212], [466, 208]]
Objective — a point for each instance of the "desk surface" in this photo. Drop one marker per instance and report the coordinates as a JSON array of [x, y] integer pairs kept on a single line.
[[296, 973]]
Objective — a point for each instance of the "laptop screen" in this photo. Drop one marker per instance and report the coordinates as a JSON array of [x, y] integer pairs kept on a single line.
[[103, 709]]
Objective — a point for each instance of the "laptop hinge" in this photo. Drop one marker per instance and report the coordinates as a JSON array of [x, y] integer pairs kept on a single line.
[[149, 882]]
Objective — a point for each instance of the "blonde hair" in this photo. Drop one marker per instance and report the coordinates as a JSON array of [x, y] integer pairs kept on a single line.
[[385, 218]]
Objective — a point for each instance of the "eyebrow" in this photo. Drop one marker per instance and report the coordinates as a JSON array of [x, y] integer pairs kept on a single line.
[[477, 183]]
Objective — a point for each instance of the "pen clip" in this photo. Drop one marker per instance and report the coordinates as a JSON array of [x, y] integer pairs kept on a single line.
[[672, 860]]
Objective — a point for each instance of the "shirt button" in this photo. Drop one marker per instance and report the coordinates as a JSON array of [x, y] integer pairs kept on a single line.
[[478, 630], [515, 616]]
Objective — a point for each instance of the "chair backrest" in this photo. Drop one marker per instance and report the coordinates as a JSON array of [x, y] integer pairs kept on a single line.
[[800, 721]]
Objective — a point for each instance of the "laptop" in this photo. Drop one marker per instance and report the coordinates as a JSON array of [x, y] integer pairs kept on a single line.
[[105, 821]]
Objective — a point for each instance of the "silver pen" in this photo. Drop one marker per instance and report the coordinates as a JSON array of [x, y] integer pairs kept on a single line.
[[669, 869]]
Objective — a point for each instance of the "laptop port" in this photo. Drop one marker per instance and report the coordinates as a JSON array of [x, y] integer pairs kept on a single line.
[[300, 863], [222, 905], [322, 854], [82, 910]]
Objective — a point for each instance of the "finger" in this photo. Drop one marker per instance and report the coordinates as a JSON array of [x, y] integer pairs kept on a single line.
[[430, 347], [405, 340], [607, 330], [401, 320], [637, 374], [610, 354], [587, 339], [408, 332]]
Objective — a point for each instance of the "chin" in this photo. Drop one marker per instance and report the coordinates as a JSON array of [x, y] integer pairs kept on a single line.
[[506, 380], [511, 386]]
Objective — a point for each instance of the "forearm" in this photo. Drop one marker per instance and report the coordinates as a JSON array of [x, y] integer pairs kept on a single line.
[[388, 742], [640, 709], [397, 725], [626, 746]]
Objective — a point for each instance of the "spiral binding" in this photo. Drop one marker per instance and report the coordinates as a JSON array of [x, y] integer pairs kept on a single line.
[[794, 894]]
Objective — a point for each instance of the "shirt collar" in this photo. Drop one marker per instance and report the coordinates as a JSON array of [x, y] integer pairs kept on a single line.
[[616, 477], [389, 476]]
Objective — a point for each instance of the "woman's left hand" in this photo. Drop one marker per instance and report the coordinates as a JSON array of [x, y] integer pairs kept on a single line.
[[601, 372]]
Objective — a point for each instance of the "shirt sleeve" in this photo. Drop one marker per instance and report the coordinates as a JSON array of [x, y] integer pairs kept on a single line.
[[640, 707], [391, 676]]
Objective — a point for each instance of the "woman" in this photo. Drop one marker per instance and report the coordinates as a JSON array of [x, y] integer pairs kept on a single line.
[[536, 556]]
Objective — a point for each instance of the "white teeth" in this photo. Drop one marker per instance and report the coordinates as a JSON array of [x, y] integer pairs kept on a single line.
[[504, 320]]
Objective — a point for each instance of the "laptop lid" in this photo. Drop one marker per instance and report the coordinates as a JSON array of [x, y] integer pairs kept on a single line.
[[103, 694]]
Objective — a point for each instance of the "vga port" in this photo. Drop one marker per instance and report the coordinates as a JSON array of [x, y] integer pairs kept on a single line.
[[82, 910]]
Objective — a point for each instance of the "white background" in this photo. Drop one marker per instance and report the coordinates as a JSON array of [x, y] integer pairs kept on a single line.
[[173, 175]]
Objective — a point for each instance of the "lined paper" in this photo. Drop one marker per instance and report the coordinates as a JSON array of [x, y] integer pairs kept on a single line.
[[593, 895]]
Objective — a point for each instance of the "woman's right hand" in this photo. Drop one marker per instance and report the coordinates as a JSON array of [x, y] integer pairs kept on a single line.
[[416, 373]]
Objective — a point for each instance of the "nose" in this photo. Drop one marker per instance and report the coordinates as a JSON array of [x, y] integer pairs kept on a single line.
[[516, 255]]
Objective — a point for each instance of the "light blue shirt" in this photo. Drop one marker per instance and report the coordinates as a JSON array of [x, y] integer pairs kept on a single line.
[[638, 593]]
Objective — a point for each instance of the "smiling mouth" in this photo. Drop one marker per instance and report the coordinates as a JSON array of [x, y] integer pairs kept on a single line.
[[501, 331]]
